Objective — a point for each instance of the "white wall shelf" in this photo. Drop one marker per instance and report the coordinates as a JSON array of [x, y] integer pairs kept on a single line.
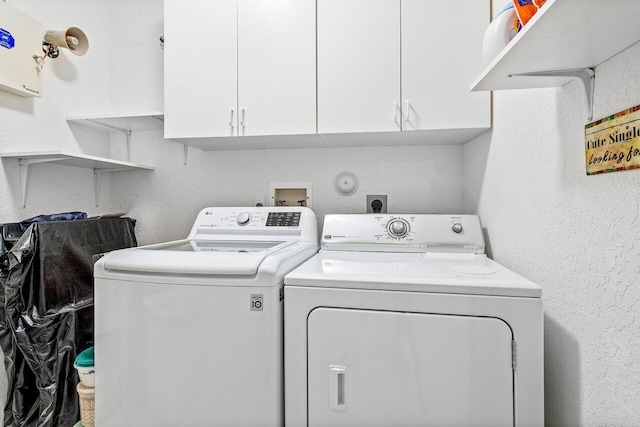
[[565, 36], [98, 164], [129, 123], [125, 124]]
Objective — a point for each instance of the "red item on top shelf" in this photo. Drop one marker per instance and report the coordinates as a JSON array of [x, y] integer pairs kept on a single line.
[[525, 9]]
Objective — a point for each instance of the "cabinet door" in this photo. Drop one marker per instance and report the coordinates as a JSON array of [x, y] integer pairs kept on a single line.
[[358, 65], [377, 368], [441, 57], [276, 67], [200, 68]]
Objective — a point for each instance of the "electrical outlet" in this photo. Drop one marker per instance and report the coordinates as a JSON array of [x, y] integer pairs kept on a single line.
[[376, 203]]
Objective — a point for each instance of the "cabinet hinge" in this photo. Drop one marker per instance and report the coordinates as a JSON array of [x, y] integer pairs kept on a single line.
[[513, 354]]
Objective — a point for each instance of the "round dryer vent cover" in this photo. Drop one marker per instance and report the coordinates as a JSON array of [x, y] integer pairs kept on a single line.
[[346, 183]]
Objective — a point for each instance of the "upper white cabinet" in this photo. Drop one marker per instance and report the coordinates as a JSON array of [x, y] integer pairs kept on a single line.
[[358, 66], [276, 67], [441, 55], [200, 68], [239, 68], [386, 65]]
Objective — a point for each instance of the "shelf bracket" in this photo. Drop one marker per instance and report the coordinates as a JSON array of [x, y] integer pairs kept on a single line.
[[185, 153], [586, 75], [97, 180], [127, 133], [97, 176], [23, 165]]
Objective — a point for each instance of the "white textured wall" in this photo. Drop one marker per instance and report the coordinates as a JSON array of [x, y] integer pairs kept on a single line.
[[416, 179], [577, 236], [121, 73]]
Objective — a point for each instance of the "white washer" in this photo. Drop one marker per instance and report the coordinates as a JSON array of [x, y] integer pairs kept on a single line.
[[189, 333], [402, 320]]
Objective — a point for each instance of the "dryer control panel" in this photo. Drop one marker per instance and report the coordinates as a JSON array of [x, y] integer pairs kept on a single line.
[[403, 232]]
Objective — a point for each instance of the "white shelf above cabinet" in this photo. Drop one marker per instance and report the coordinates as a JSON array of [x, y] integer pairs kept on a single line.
[[99, 165], [564, 35]]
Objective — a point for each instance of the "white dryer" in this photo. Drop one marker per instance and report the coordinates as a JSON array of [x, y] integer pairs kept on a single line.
[[402, 320], [189, 333]]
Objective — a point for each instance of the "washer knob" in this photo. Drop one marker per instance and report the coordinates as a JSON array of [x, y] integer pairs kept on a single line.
[[243, 218], [457, 227], [398, 228]]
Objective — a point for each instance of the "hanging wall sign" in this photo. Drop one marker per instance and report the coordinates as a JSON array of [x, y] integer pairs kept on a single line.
[[613, 143]]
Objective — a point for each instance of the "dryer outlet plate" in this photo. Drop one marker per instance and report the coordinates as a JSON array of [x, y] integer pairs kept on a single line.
[[379, 200]]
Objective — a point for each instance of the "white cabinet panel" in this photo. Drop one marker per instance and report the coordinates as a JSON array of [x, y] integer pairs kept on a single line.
[[239, 67], [200, 68], [380, 368], [369, 51], [441, 56], [358, 65], [276, 67], [20, 40]]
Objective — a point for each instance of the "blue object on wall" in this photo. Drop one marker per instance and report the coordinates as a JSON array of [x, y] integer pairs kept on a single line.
[[6, 39]]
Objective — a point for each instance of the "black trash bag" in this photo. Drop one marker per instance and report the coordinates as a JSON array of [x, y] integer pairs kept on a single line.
[[4, 259], [65, 216], [9, 234], [47, 302]]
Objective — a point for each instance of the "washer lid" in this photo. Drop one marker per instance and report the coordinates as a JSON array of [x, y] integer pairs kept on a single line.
[[239, 246], [471, 274], [195, 257]]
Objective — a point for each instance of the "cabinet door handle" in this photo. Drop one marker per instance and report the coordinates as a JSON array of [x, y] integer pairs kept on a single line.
[[395, 112], [406, 117], [231, 118], [242, 117]]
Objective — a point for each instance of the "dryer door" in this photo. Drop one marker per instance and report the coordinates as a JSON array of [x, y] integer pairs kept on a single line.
[[380, 368]]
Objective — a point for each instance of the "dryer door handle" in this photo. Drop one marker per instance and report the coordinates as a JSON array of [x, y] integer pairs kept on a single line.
[[338, 388]]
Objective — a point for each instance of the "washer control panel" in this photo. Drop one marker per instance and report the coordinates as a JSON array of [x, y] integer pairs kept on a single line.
[[258, 222], [255, 218], [413, 231], [283, 219], [243, 218]]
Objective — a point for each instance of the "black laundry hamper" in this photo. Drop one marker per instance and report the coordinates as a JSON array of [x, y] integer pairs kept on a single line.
[[46, 314]]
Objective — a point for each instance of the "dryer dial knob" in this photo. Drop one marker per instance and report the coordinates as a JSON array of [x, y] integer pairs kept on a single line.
[[243, 218], [398, 228], [457, 227]]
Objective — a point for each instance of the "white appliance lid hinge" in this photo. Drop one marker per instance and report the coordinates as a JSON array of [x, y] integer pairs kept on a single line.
[[513, 354]]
